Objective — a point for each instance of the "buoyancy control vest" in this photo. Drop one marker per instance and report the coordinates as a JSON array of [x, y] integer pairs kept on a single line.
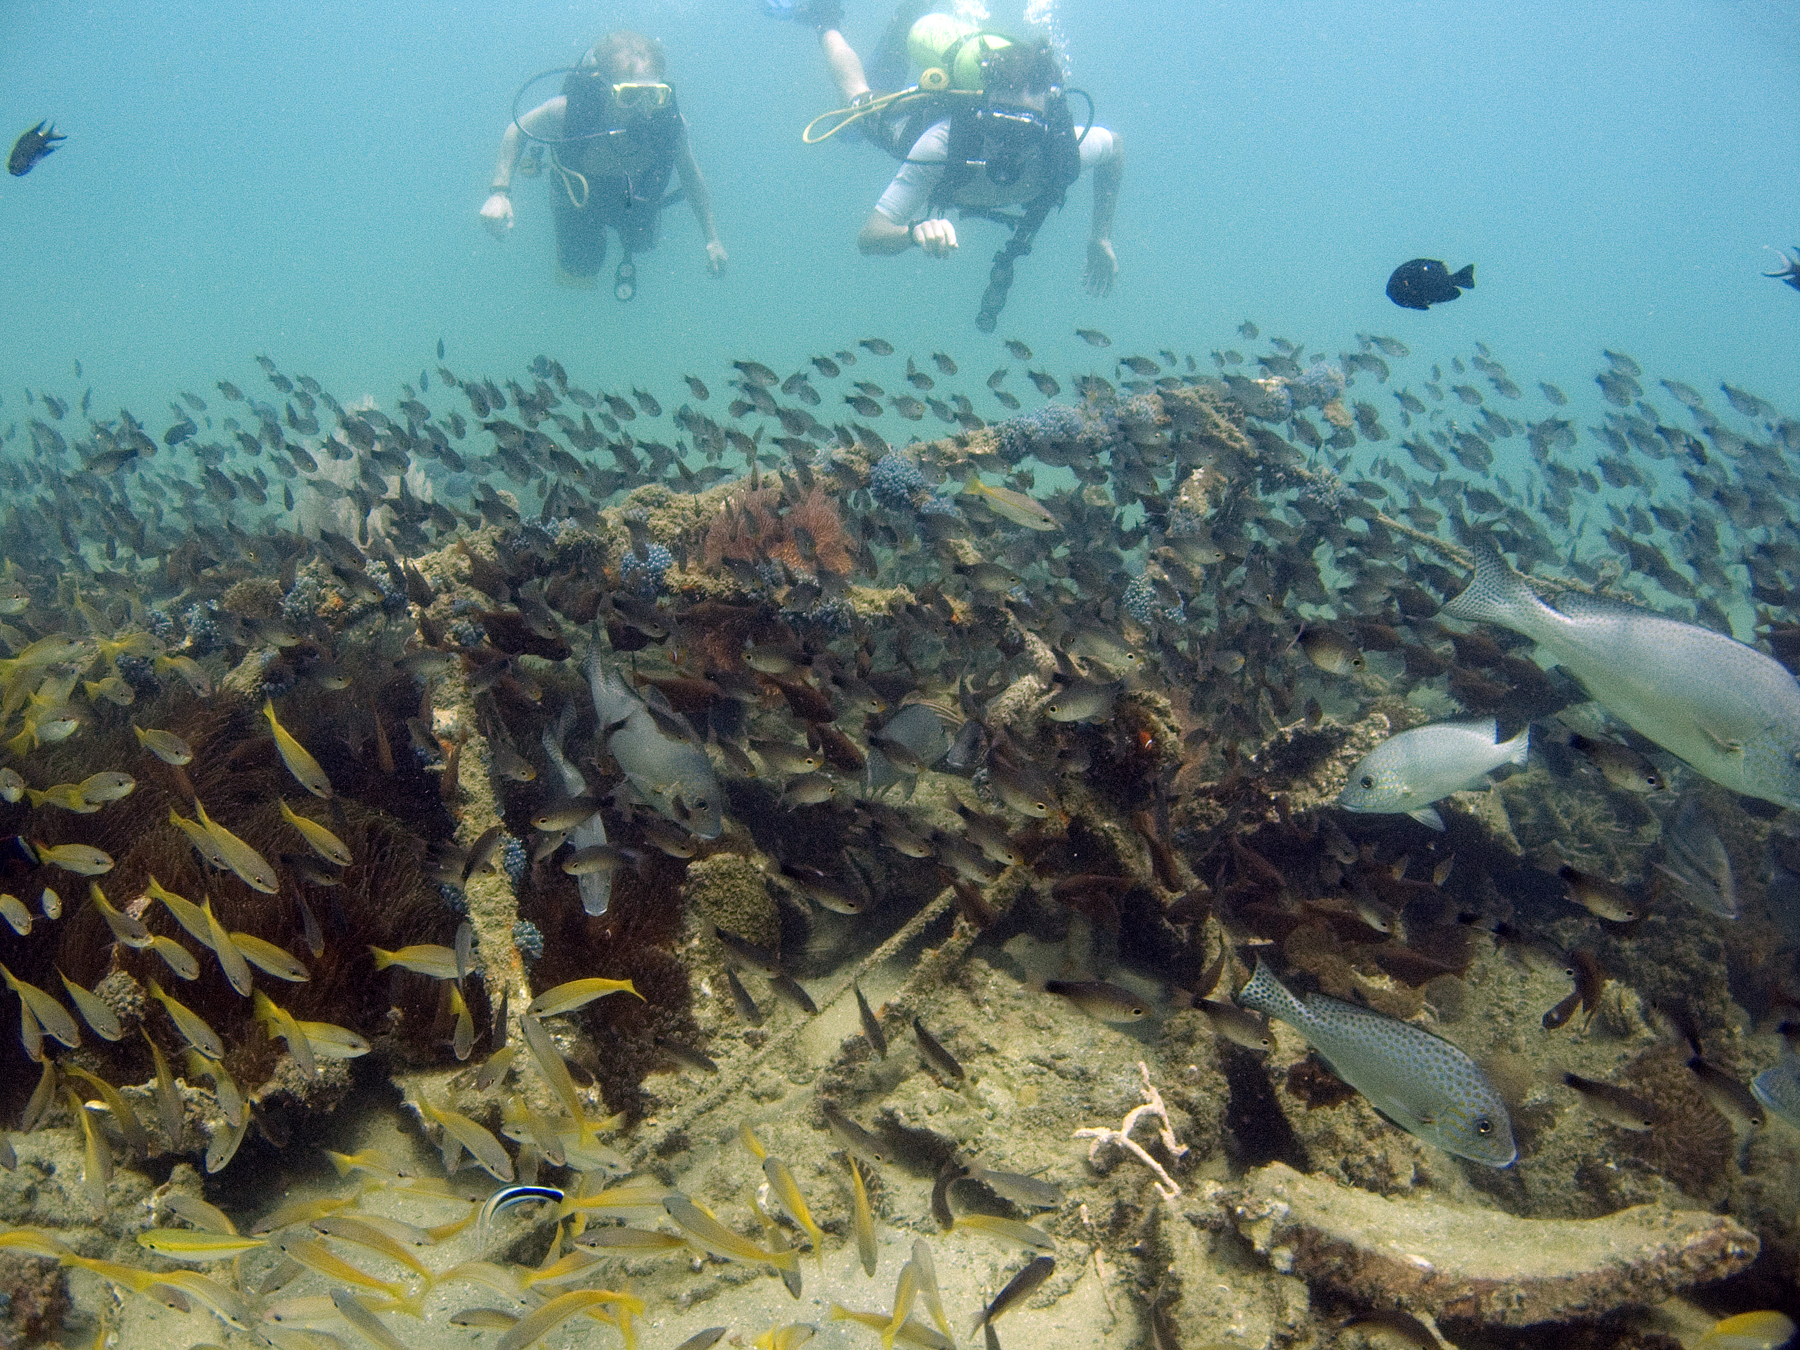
[[993, 141], [590, 115]]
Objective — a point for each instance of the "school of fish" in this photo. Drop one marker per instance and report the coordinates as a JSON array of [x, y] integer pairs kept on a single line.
[[342, 741]]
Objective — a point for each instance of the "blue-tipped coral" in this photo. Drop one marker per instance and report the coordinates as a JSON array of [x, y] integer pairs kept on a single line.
[[897, 483], [646, 575], [528, 939]]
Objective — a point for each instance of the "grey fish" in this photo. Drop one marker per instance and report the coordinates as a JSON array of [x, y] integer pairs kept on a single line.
[[935, 1054], [1613, 1104], [1694, 857], [595, 887], [746, 1005], [1019, 1288], [1409, 771], [1779, 1089], [852, 1136], [1728, 710], [1248, 1029], [747, 953], [914, 735], [32, 146], [1097, 998], [871, 1024], [673, 776], [1081, 701], [1015, 1186], [1619, 764], [1421, 1082]]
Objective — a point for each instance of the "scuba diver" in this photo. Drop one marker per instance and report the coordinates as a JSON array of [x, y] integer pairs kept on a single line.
[[985, 128], [612, 138]]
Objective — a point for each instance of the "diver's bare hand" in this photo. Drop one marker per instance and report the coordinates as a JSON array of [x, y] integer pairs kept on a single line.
[[1102, 267], [497, 214], [936, 237], [715, 258]]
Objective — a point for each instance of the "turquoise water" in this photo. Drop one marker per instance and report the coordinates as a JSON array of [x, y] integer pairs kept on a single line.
[[303, 180]]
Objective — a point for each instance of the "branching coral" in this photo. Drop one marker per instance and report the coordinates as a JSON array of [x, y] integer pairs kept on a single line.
[[1166, 1185]]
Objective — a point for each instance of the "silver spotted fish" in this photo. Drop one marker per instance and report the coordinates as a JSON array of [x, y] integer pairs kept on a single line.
[[1725, 708], [674, 776], [1421, 1082]]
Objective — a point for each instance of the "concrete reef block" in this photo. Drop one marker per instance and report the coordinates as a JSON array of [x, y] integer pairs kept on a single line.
[[1482, 1266]]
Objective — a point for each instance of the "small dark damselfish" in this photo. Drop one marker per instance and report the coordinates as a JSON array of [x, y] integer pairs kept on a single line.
[[31, 147], [1425, 282]]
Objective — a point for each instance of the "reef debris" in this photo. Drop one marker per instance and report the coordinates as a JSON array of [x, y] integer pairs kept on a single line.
[[1481, 1266]]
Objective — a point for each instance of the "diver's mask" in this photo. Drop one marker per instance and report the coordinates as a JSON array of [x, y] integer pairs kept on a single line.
[[642, 95], [1009, 136]]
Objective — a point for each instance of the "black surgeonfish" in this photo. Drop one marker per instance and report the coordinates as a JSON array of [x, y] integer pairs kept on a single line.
[[1425, 282], [32, 146]]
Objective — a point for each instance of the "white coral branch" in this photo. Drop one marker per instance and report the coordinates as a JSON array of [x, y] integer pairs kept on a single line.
[[1166, 1185]]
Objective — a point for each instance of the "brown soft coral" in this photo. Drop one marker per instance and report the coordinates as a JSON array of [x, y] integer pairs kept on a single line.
[[807, 536]]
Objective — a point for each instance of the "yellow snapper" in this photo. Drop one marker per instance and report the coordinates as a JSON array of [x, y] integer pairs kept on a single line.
[[251, 867], [302, 765], [165, 745], [1017, 507], [1728, 710], [1764, 1330]]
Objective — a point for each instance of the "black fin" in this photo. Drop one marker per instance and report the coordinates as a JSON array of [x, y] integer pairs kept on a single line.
[[1465, 278]]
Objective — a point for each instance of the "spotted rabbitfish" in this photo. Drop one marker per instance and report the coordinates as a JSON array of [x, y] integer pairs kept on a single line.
[[1728, 710], [1421, 1082]]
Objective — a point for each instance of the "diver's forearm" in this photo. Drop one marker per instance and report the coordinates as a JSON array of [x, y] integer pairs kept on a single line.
[[699, 198], [881, 237], [846, 66], [701, 201], [1106, 195], [509, 156]]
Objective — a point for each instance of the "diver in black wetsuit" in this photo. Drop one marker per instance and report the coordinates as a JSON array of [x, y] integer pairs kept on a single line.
[[613, 138]]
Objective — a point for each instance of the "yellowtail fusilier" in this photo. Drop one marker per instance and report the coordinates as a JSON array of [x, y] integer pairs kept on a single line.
[[165, 745], [326, 844], [1727, 709], [51, 1014], [1409, 771], [1421, 1082], [191, 1025]]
